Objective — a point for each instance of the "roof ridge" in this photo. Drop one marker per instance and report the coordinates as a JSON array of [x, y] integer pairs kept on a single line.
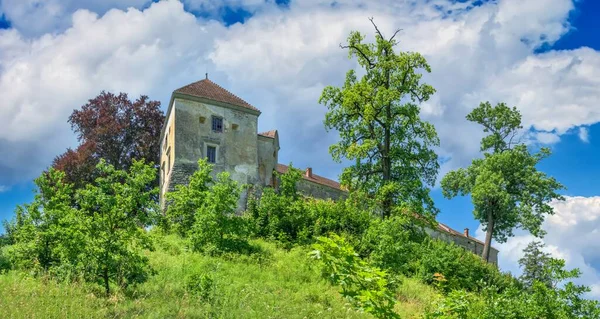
[[208, 89], [226, 90]]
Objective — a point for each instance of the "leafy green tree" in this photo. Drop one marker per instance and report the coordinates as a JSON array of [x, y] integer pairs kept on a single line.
[[506, 188], [535, 264], [185, 200], [46, 233], [217, 228], [114, 228], [377, 117], [282, 215]]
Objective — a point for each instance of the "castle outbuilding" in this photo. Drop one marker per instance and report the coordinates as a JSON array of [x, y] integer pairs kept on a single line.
[[205, 120]]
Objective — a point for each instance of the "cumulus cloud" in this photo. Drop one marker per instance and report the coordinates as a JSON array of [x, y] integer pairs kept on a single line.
[[43, 80], [281, 58], [572, 235], [37, 17]]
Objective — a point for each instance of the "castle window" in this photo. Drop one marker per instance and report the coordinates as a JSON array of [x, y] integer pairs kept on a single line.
[[211, 154], [217, 124]]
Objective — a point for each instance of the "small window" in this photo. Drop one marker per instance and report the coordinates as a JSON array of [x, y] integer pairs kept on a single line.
[[211, 154], [217, 124]]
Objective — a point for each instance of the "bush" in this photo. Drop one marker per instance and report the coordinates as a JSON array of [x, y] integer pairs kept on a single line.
[[393, 243], [217, 228], [202, 285], [451, 267], [291, 219], [366, 287], [514, 302], [185, 200]]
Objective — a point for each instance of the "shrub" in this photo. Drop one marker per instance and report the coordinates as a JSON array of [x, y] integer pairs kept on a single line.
[[365, 286], [217, 228], [290, 218], [185, 200], [461, 269], [393, 243], [202, 285]]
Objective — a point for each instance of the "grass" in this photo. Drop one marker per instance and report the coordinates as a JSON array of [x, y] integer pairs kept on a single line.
[[272, 284]]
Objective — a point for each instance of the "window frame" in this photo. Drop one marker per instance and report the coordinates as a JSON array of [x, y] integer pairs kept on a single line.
[[215, 125], [216, 148]]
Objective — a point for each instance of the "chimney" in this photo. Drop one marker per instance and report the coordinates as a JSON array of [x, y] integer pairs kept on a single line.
[[466, 232], [308, 172]]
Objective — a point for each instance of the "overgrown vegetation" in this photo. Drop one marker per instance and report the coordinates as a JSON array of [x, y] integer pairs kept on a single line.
[[98, 247]]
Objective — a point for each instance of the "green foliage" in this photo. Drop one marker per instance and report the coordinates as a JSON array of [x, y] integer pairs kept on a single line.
[[377, 117], [506, 188], [451, 267], [290, 218], [288, 286], [538, 301], [114, 211], [217, 228], [99, 238], [47, 233], [536, 265], [201, 284], [367, 287], [282, 215], [185, 200], [393, 243]]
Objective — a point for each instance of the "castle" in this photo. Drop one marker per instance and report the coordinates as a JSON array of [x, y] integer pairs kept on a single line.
[[205, 120]]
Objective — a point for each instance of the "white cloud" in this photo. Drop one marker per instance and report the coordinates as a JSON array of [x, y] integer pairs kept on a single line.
[[280, 60], [44, 79], [572, 235], [4, 188], [37, 17], [584, 134]]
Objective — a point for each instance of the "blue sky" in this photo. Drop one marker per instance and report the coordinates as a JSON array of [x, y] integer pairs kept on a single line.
[[542, 56]]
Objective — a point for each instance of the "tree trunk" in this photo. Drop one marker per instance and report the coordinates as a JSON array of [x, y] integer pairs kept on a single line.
[[106, 283], [488, 238]]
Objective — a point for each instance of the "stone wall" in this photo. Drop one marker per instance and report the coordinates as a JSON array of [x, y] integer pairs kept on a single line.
[[462, 241], [319, 191], [236, 145], [268, 149]]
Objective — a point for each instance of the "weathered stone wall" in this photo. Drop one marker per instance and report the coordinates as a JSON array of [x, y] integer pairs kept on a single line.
[[236, 145], [167, 155], [267, 159], [315, 190], [466, 243]]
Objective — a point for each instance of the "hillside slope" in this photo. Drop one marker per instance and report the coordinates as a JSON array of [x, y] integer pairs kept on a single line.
[[272, 284]]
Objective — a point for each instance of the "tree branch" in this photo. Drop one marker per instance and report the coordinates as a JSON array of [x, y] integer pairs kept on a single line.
[[376, 29], [371, 64]]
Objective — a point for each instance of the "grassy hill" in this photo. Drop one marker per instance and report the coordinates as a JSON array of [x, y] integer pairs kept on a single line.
[[274, 283]]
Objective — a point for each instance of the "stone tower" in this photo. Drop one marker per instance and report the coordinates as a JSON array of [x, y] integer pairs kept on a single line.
[[206, 121]]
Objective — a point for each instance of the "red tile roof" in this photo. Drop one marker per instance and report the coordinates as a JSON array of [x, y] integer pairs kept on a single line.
[[270, 133], [451, 231], [313, 178], [209, 90]]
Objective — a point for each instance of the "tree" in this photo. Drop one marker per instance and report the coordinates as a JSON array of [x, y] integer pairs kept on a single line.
[[185, 200], [535, 263], [217, 228], [47, 233], [506, 188], [377, 117], [114, 225], [113, 128]]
